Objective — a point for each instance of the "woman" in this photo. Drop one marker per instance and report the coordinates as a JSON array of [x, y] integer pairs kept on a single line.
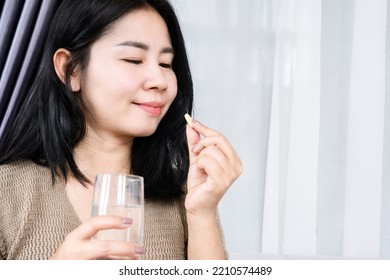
[[109, 97]]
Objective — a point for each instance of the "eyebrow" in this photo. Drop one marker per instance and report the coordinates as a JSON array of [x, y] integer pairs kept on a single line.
[[143, 46]]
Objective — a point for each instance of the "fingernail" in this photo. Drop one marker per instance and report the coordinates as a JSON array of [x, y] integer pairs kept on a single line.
[[126, 221], [139, 250], [195, 122]]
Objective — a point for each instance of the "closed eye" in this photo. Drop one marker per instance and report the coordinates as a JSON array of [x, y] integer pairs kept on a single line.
[[133, 61], [166, 65]]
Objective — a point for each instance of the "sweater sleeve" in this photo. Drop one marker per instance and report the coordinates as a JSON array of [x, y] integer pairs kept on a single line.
[[222, 236], [3, 251], [185, 225]]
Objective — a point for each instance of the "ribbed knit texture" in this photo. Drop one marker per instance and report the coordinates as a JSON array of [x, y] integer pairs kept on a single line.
[[35, 217]]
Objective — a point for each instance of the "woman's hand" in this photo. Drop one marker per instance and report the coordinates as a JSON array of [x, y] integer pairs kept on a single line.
[[214, 166], [79, 246]]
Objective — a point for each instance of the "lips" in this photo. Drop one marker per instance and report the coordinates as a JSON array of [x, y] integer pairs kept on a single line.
[[153, 108]]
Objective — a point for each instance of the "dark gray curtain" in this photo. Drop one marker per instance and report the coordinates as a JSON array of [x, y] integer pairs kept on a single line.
[[23, 28]]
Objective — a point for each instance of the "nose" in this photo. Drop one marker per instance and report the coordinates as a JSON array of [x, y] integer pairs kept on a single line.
[[155, 78]]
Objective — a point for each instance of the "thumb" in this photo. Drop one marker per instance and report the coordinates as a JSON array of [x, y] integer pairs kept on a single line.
[[193, 138]]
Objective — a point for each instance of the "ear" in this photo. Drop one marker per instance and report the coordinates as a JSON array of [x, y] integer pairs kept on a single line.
[[61, 59]]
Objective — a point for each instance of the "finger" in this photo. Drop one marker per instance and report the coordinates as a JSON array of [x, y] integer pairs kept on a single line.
[[228, 172], [89, 228], [213, 137], [219, 141], [224, 146], [217, 174], [215, 153], [204, 130], [112, 257], [192, 139], [108, 249]]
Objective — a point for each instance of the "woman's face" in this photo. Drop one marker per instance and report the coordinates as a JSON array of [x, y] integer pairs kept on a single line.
[[129, 83]]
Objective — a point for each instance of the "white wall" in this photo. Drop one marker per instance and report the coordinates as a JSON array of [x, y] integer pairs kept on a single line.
[[226, 43]]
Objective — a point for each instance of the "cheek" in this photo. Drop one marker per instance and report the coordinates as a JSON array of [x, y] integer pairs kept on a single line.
[[109, 82], [101, 94], [173, 87]]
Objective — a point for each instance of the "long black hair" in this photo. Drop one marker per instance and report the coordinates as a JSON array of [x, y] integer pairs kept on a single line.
[[51, 121]]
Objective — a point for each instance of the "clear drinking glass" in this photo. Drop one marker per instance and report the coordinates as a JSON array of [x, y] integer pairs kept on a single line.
[[120, 195]]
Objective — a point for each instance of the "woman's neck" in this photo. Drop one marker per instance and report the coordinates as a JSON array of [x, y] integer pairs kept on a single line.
[[96, 155]]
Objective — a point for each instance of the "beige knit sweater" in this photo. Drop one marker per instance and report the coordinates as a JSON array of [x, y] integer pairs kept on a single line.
[[35, 217]]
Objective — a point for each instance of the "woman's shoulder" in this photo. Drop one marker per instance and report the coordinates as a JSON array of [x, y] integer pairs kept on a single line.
[[21, 172], [20, 167], [11, 166]]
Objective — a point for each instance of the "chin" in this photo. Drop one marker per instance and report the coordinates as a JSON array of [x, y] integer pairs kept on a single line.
[[145, 133]]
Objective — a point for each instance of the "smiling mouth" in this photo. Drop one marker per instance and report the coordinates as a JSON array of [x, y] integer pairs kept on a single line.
[[151, 108]]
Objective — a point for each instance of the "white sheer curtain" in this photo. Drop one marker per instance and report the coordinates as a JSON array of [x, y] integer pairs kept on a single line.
[[302, 90]]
